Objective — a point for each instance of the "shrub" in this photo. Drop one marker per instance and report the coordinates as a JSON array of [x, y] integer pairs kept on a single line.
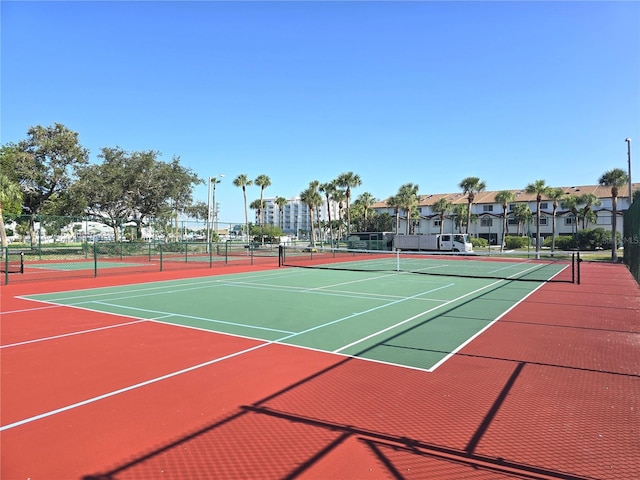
[[479, 242], [511, 242]]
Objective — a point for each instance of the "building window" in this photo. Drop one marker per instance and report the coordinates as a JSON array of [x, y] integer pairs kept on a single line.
[[544, 205], [569, 220], [486, 222], [436, 222], [487, 208]]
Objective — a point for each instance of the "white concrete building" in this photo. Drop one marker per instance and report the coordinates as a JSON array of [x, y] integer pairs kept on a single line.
[[295, 215], [487, 213]]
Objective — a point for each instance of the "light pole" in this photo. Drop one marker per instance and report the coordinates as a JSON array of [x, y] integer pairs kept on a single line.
[[213, 180], [628, 140]]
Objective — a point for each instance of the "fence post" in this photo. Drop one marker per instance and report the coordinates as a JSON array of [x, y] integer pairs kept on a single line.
[[95, 259], [6, 266]]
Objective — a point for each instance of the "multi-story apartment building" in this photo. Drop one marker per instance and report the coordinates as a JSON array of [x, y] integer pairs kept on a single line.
[[487, 213], [295, 215]]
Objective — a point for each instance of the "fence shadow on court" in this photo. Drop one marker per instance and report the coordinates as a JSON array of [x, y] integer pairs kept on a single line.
[[388, 415]]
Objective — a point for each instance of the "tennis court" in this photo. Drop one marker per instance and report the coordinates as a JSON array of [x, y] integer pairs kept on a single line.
[[351, 370]]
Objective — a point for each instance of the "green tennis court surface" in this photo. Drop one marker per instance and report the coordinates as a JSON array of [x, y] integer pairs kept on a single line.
[[405, 319]]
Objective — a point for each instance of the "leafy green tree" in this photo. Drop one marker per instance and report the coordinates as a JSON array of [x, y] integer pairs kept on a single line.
[[243, 182], [615, 179], [312, 198], [10, 199], [539, 189], [46, 166], [504, 198], [348, 181], [442, 206], [470, 187]]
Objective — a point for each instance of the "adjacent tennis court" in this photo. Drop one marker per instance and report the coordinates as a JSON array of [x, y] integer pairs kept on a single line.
[[355, 368]]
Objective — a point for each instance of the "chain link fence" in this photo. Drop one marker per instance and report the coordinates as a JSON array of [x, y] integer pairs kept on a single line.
[[632, 239]]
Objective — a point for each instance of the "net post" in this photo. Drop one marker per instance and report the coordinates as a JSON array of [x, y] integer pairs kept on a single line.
[[397, 260], [578, 266], [95, 259], [6, 265], [280, 255], [21, 261]]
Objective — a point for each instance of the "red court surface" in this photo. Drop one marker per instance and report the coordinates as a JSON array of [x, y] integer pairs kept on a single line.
[[550, 391]]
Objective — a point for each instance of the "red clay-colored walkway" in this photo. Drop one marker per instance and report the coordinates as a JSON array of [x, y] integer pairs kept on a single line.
[[551, 391]]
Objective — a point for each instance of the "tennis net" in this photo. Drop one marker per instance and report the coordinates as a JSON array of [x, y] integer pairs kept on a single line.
[[523, 266]]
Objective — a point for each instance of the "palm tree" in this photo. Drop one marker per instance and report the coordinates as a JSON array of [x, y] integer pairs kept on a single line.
[[311, 197], [263, 181], [504, 198], [442, 206], [348, 181], [408, 199], [10, 193], [339, 196], [460, 216], [243, 181], [280, 202], [366, 201], [539, 188], [521, 214], [328, 188], [586, 212], [258, 206], [394, 202], [570, 203], [470, 186], [555, 194], [615, 179]]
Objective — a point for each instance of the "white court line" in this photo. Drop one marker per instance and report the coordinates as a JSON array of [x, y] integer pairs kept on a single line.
[[379, 332], [201, 365], [169, 314], [81, 332], [127, 389]]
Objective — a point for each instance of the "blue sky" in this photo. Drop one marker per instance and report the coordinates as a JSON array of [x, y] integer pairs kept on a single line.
[[397, 92]]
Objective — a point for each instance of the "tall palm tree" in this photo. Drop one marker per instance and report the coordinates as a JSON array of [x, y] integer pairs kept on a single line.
[[539, 188], [615, 179], [556, 195], [258, 206], [470, 187], [262, 181], [243, 181], [442, 206], [408, 198], [328, 188], [348, 181], [311, 197], [504, 198], [280, 202], [10, 193]]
